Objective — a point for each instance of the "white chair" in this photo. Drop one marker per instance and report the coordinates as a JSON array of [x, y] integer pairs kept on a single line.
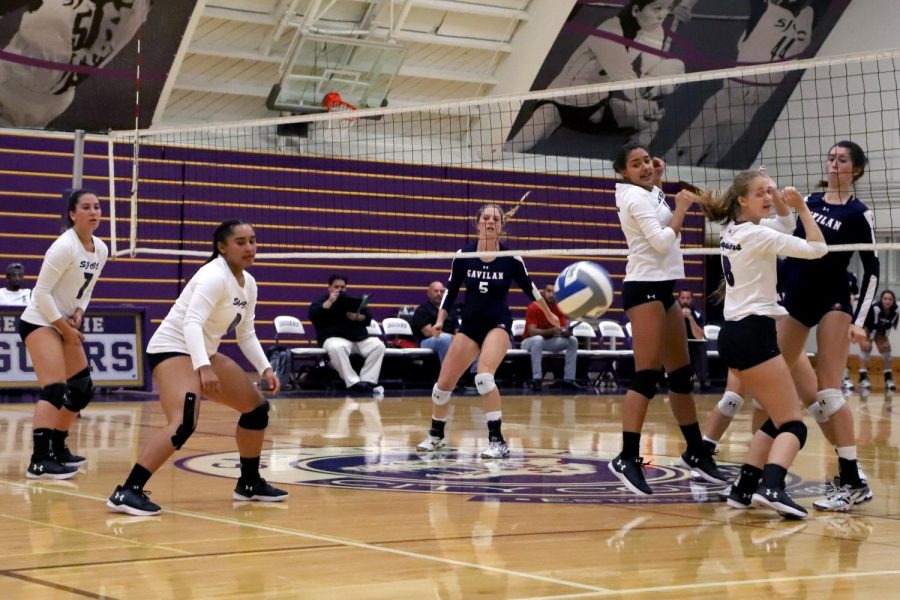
[[628, 330], [518, 328], [711, 332], [611, 332], [293, 326], [585, 333], [374, 329], [584, 330], [397, 327]]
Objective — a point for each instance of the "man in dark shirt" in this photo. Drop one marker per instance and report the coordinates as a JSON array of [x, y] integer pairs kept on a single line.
[[425, 316], [341, 331], [693, 323]]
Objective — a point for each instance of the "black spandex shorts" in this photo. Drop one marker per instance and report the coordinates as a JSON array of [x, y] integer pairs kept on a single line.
[[749, 342], [809, 306], [635, 293], [477, 331], [25, 328], [154, 358]]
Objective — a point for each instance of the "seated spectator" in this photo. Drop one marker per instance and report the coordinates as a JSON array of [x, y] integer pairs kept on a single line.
[[541, 336], [426, 315], [693, 324], [341, 331], [14, 294]]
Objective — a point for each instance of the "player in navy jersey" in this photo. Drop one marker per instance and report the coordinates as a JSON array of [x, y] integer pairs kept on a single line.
[[50, 326], [816, 294], [653, 233], [485, 328], [748, 342], [183, 355], [881, 318]]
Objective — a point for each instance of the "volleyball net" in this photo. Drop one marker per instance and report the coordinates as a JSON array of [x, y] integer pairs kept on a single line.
[[405, 183]]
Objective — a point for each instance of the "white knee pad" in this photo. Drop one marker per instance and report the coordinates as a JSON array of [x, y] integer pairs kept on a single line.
[[484, 383], [827, 403], [730, 404], [439, 396], [864, 357], [757, 405]]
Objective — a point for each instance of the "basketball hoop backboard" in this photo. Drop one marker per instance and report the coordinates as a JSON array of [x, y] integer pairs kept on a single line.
[[360, 70]]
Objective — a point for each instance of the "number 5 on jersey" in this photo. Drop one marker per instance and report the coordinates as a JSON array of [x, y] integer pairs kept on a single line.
[[483, 287]]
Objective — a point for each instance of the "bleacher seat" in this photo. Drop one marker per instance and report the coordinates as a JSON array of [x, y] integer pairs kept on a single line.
[[395, 327]]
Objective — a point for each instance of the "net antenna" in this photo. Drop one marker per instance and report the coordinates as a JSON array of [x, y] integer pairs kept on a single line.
[[337, 129]]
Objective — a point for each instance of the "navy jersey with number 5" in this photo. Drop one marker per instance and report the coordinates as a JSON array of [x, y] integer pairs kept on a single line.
[[826, 277], [487, 286]]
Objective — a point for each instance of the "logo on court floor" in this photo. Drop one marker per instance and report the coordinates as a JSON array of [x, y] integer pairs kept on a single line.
[[546, 476]]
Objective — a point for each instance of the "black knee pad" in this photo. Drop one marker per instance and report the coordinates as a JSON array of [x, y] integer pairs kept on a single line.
[[646, 382], [256, 419], [797, 428], [55, 394], [769, 429], [81, 390], [188, 425], [681, 381]]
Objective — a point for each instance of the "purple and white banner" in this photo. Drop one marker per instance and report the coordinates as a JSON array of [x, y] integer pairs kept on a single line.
[[72, 64], [722, 123], [114, 345]]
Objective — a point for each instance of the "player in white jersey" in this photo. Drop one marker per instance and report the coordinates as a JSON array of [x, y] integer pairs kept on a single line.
[[653, 233], [748, 342], [183, 354], [50, 327], [777, 30], [599, 59], [14, 294]]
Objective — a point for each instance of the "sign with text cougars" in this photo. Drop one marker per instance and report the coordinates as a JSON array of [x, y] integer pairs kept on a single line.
[[114, 343]]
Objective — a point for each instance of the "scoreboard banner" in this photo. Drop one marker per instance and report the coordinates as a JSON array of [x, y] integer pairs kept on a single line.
[[114, 344]]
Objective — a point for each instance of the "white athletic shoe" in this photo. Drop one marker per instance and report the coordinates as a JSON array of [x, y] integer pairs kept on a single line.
[[432, 444], [495, 450], [864, 382], [842, 499], [847, 385]]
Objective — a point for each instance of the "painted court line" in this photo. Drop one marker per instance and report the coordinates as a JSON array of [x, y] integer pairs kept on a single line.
[[341, 542], [712, 585]]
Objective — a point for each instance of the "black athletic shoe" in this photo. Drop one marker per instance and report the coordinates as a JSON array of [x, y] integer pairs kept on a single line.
[[49, 468], [703, 466], [630, 472], [65, 456], [738, 499], [259, 491], [132, 502], [778, 500]]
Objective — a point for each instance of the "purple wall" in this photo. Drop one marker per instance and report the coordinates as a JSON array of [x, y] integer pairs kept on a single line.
[[302, 203]]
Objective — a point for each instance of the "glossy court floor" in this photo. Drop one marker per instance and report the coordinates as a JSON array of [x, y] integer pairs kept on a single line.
[[368, 517]]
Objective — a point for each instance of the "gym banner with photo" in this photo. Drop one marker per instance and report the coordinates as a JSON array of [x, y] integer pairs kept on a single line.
[[72, 64], [712, 124], [114, 344]]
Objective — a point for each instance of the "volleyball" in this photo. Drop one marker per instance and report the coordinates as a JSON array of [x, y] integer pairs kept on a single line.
[[583, 290]]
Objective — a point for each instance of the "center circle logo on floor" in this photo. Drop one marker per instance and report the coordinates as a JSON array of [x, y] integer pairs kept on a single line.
[[536, 475]]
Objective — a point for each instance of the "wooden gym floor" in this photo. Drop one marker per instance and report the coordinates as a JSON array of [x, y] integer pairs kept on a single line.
[[368, 517]]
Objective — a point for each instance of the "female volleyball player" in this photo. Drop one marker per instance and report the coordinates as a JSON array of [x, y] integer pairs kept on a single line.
[[183, 354], [50, 329], [881, 319], [485, 328], [748, 342], [653, 234], [637, 26], [816, 295]]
